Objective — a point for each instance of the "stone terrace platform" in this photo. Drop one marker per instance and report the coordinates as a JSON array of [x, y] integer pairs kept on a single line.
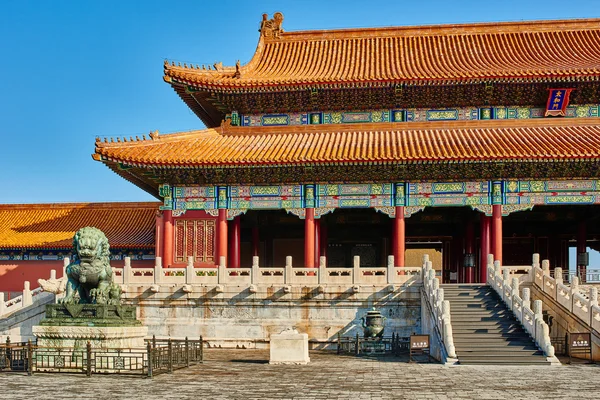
[[246, 374]]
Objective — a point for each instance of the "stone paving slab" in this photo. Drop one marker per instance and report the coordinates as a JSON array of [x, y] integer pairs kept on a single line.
[[246, 374]]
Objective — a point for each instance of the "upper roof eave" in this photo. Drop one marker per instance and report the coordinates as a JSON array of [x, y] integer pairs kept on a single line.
[[508, 51]]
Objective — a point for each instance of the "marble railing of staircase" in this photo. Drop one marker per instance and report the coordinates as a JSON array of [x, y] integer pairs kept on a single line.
[[486, 331]]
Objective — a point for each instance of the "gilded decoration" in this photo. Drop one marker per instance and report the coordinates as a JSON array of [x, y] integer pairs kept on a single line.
[[320, 211], [573, 199], [511, 208], [447, 115], [299, 212], [409, 211], [231, 214], [390, 211], [483, 208], [275, 120], [214, 212]]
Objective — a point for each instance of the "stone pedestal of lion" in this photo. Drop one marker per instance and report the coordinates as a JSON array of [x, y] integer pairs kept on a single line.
[[91, 310]]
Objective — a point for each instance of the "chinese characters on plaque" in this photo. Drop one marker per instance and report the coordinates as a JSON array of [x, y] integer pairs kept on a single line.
[[558, 100]]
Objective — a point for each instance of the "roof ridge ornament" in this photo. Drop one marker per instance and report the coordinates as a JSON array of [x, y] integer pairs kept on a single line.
[[154, 135], [271, 28]]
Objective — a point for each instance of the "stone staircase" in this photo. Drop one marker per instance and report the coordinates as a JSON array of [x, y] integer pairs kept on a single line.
[[485, 331]]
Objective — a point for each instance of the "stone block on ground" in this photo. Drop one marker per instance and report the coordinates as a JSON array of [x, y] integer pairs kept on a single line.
[[289, 347]]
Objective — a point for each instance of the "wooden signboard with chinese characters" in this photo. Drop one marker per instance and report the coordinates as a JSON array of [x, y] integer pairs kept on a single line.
[[419, 344], [580, 343]]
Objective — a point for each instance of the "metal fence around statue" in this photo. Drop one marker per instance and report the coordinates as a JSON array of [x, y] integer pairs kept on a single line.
[[159, 356]]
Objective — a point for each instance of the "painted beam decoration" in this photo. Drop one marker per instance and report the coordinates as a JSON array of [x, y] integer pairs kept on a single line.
[[421, 114], [415, 196]]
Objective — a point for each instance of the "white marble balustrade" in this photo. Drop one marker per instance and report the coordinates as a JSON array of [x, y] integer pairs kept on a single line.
[[434, 295], [570, 296], [507, 287], [257, 275]]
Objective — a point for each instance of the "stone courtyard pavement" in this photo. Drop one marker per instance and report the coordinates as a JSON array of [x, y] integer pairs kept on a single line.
[[245, 374]]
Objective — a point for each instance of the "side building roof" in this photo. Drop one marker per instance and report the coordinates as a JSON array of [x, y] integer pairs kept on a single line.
[[52, 226]]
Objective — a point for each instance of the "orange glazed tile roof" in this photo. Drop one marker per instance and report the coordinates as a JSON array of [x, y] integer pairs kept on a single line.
[[509, 51], [461, 141], [39, 226]]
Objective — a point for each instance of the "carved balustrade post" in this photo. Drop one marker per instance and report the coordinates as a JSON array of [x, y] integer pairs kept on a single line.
[[515, 286], [126, 271], [558, 276], [526, 298], [27, 300], [255, 272], [593, 297], [289, 273], [391, 273], [189, 270], [158, 270], [356, 270], [546, 267]]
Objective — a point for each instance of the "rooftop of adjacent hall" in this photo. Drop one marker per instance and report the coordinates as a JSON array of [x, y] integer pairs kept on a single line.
[[438, 54], [43, 226]]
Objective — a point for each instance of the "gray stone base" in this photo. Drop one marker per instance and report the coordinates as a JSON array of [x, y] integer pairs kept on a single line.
[[100, 337]]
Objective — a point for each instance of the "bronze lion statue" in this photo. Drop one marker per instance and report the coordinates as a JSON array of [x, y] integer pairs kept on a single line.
[[89, 275]]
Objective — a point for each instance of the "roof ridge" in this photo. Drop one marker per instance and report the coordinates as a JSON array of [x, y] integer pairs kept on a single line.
[[99, 205], [154, 138], [451, 28]]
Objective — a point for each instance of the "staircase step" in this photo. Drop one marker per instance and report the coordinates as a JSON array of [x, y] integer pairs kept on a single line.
[[497, 354], [485, 331], [491, 346], [535, 360]]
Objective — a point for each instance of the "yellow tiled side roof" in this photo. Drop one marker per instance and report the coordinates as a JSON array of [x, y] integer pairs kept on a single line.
[[38, 226], [466, 141], [537, 50]]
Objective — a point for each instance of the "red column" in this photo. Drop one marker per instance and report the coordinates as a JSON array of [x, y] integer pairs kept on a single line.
[[309, 238], [158, 242], [222, 235], [399, 239], [485, 246], [235, 250], [470, 253], [497, 232], [581, 248], [168, 239], [255, 241], [317, 241]]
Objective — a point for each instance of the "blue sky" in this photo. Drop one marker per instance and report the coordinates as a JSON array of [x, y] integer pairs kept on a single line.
[[74, 70]]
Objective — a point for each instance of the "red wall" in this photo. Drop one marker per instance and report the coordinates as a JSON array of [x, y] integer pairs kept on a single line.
[[14, 273]]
